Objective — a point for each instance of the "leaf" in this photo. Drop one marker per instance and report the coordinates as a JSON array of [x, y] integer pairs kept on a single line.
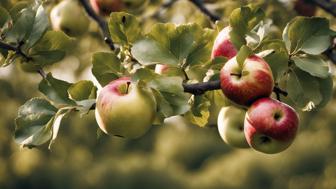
[[82, 90], [124, 28], [242, 54], [182, 45], [168, 91], [106, 67], [56, 124], [307, 34], [22, 27], [199, 112], [51, 41], [303, 90], [278, 60], [56, 90], [40, 25], [45, 58], [326, 90], [4, 18], [314, 65], [33, 123], [147, 51]]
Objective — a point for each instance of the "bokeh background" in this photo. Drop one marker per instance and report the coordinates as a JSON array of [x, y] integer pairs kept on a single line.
[[174, 156]]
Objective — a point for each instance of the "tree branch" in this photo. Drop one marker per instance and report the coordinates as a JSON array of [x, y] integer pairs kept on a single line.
[[200, 5], [327, 5], [18, 51], [101, 23]]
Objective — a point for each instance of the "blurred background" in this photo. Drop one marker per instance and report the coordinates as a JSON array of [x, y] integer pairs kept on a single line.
[[176, 155]]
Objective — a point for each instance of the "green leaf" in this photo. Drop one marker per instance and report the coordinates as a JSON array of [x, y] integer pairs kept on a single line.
[[106, 67], [56, 90], [314, 65], [51, 41], [33, 123], [326, 90], [148, 51], [124, 28], [82, 90], [57, 123], [242, 54], [22, 27], [4, 18], [40, 25], [307, 34], [182, 45], [243, 20], [303, 90], [45, 58], [278, 60], [168, 91], [199, 112]]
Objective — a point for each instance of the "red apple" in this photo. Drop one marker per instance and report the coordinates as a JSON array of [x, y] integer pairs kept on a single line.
[[223, 45], [243, 84], [124, 108], [105, 7], [304, 8], [270, 126]]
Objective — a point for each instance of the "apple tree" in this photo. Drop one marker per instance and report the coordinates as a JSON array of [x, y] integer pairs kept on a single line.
[[240, 70]]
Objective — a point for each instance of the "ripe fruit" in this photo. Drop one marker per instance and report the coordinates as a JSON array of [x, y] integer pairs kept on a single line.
[[305, 8], [270, 125], [125, 109], [246, 83], [105, 7], [69, 17], [231, 126], [223, 45]]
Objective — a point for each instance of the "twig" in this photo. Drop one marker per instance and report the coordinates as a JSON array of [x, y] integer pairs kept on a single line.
[[101, 22], [327, 5], [200, 5], [18, 51]]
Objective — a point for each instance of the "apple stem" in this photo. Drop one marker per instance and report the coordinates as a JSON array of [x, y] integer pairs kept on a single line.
[[127, 87]]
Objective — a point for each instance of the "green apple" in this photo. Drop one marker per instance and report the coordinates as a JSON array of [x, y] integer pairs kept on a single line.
[[125, 109], [69, 17], [231, 126]]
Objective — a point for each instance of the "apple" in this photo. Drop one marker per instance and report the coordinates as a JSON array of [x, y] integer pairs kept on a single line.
[[167, 70], [105, 7], [304, 8], [270, 126], [125, 109], [231, 126], [243, 84], [223, 45], [69, 17]]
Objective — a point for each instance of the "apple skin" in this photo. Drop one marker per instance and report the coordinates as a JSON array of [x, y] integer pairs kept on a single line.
[[105, 7], [270, 126], [223, 45], [231, 126], [304, 8], [69, 17], [245, 84], [127, 113]]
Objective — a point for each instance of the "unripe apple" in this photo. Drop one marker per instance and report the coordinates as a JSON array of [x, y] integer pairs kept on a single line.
[[231, 126], [69, 17], [248, 82], [167, 70], [217, 102], [105, 7], [223, 45], [270, 126], [125, 109]]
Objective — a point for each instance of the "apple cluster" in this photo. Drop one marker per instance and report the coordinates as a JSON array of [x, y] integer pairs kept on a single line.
[[268, 125]]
